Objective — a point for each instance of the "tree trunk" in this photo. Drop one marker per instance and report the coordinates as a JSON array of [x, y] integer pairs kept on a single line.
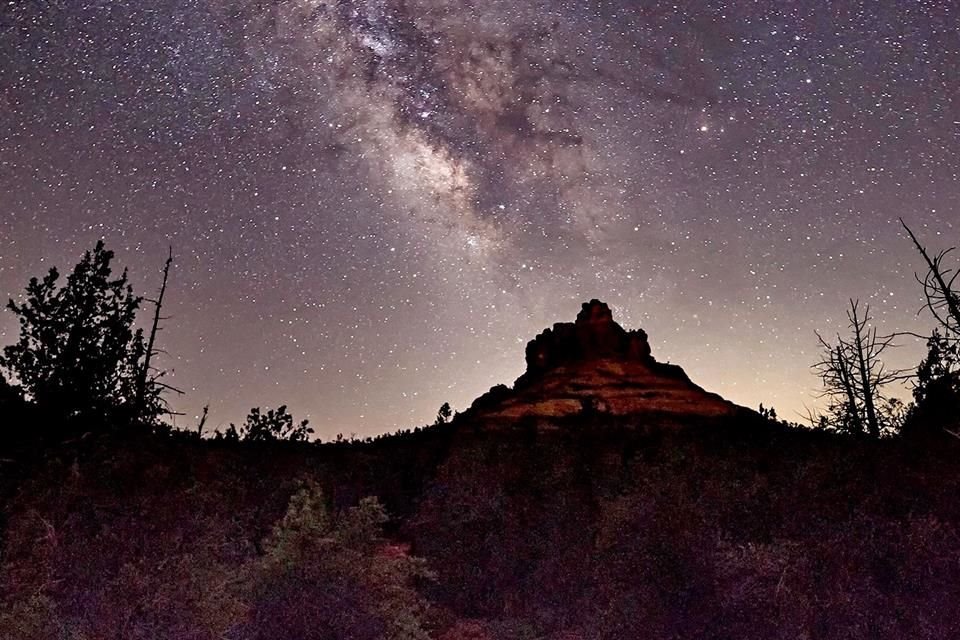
[[942, 288], [154, 328], [848, 387], [866, 387]]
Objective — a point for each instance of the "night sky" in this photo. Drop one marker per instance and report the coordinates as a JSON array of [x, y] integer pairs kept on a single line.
[[375, 204]]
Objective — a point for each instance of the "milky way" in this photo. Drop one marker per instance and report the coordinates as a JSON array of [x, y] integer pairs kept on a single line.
[[374, 205]]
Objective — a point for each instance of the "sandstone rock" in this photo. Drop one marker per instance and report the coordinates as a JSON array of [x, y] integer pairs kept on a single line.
[[592, 367]]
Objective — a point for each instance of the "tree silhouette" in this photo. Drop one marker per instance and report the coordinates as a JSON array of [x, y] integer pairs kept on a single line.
[[942, 298], [936, 391], [12, 405], [78, 353], [444, 414], [854, 377], [936, 407], [269, 427], [148, 386], [942, 361]]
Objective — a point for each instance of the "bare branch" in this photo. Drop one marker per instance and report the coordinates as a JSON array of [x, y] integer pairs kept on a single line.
[[143, 377], [854, 375], [168, 387], [942, 299]]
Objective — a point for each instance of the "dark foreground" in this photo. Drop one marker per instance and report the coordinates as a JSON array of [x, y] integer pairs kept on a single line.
[[591, 529]]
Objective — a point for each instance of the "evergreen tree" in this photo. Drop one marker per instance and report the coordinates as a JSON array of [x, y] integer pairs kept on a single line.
[[335, 576], [942, 361], [78, 353], [936, 392], [939, 288], [444, 414]]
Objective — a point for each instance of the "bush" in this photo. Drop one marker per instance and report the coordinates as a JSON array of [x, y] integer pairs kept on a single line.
[[329, 578], [271, 426]]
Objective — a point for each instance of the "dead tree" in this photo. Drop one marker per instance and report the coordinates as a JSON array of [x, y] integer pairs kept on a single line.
[[855, 377], [942, 299], [148, 378]]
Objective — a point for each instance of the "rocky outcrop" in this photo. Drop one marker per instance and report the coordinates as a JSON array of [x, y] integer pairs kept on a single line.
[[593, 336], [591, 367]]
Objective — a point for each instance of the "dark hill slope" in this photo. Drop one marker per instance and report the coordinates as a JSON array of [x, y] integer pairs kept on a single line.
[[113, 537], [610, 531], [749, 532]]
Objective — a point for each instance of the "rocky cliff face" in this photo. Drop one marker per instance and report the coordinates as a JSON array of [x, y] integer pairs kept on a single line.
[[594, 366]]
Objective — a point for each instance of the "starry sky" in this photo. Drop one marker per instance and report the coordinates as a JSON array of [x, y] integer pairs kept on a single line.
[[374, 204]]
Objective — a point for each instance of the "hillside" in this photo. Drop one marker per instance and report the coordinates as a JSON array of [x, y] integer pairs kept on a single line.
[[604, 495]]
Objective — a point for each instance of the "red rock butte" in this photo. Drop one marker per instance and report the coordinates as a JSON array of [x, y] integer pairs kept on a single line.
[[595, 367]]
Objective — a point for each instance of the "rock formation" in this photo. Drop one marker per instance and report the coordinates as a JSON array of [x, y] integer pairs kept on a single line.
[[593, 366]]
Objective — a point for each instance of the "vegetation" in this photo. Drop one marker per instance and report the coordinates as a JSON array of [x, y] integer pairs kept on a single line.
[[855, 378], [942, 299], [78, 356], [444, 414], [595, 531], [268, 427], [936, 407], [174, 557], [936, 391], [596, 528], [336, 578]]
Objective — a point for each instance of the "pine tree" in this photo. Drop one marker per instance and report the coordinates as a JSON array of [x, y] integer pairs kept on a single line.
[[936, 391], [78, 354], [444, 414]]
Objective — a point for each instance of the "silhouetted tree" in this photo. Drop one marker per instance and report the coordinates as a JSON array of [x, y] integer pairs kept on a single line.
[[9, 394], [13, 408], [768, 413], [936, 406], [444, 414], [942, 361], [936, 391], [942, 298], [270, 426], [149, 401], [203, 420], [855, 377], [77, 352]]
